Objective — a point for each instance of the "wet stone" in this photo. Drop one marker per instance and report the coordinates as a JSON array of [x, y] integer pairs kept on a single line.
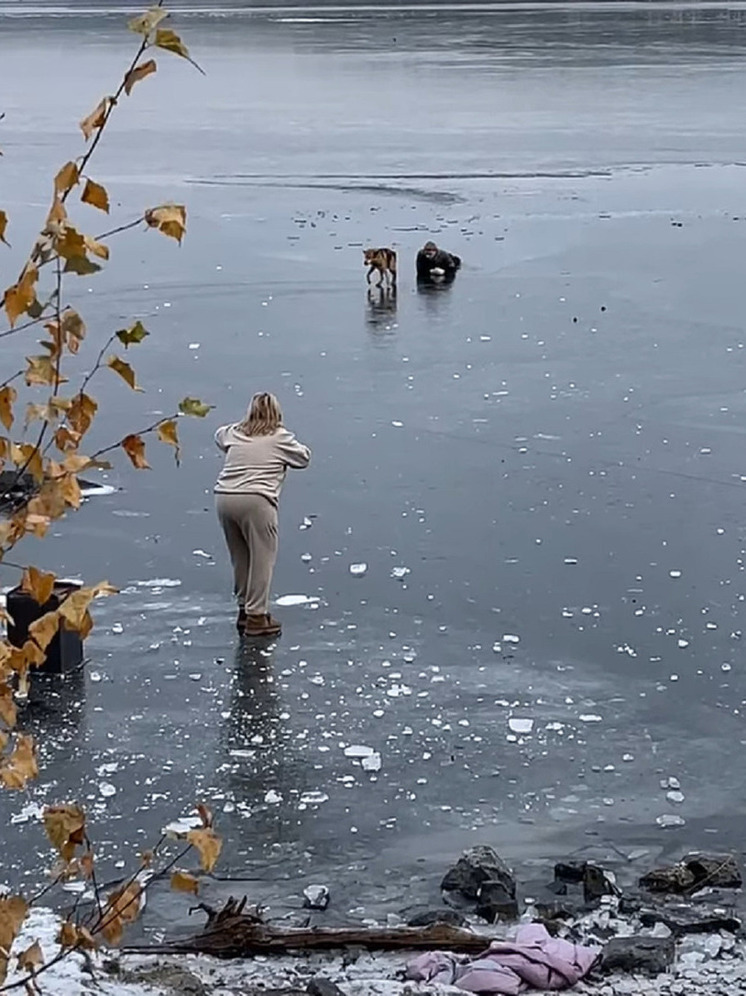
[[476, 866], [653, 955], [321, 986], [695, 871], [495, 902], [316, 897], [685, 918]]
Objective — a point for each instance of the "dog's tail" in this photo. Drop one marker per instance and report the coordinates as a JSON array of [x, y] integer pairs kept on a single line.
[[392, 260]]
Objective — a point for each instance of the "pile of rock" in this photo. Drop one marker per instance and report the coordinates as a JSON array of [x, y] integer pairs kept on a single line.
[[676, 932]]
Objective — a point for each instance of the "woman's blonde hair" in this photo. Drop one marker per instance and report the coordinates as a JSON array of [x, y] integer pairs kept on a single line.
[[263, 417]]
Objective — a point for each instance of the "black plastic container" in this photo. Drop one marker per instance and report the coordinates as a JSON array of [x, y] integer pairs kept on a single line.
[[65, 652]]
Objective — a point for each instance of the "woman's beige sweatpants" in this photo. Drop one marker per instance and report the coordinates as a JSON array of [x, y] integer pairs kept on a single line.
[[250, 526]]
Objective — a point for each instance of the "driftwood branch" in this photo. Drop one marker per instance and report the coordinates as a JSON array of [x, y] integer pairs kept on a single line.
[[233, 933]]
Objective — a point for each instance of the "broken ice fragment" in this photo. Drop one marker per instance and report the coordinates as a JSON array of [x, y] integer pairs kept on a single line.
[[306, 524], [677, 797], [296, 600], [399, 572], [357, 570], [509, 638], [590, 717], [178, 829], [372, 762], [107, 789], [272, 797], [313, 798], [521, 725], [668, 820], [674, 574], [358, 750]]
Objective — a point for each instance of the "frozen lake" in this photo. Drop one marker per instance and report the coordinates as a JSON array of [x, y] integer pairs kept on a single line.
[[553, 448]]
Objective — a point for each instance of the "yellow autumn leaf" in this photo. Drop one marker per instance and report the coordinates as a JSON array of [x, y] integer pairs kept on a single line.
[[66, 439], [13, 910], [70, 490], [146, 22], [73, 328], [167, 39], [8, 711], [57, 214], [75, 462], [169, 219], [182, 881], [33, 654], [137, 74], [97, 118], [124, 903], [21, 766], [31, 959], [43, 630], [65, 827], [134, 334], [8, 396], [28, 455], [81, 413], [66, 179], [167, 433], [134, 447], [207, 844], [4, 224], [124, 370], [21, 296], [95, 195], [39, 584], [73, 609], [41, 370], [97, 248], [70, 242]]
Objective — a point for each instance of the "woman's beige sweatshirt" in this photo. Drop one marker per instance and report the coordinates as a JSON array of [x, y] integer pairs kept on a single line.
[[257, 465]]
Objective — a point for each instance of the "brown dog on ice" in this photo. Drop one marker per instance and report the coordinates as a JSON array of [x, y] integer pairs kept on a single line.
[[382, 260]]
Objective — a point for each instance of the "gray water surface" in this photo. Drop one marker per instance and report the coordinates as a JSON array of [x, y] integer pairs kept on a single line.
[[553, 447]]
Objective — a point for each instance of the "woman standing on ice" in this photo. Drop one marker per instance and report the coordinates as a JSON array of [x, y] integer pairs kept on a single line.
[[258, 452]]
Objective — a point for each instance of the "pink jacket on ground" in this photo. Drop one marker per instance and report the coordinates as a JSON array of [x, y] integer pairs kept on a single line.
[[534, 960]]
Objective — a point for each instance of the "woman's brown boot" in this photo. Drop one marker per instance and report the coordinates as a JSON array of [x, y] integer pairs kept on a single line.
[[262, 625]]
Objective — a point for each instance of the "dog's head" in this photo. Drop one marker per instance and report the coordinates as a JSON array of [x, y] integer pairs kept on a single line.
[[369, 255]]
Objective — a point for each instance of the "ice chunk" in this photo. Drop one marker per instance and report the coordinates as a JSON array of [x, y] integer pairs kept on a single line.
[[372, 762], [669, 820], [400, 572], [178, 829], [357, 570], [313, 798], [521, 725], [674, 574], [297, 600], [589, 717], [509, 638], [272, 797], [159, 583], [107, 790], [358, 750]]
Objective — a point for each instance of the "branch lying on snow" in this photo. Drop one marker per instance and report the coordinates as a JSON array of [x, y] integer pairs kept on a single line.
[[233, 933]]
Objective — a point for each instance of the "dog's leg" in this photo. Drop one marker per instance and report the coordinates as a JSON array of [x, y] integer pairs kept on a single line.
[[382, 276], [368, 274]]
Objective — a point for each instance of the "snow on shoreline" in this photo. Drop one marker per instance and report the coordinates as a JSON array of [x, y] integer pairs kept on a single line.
[[368, 974]]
